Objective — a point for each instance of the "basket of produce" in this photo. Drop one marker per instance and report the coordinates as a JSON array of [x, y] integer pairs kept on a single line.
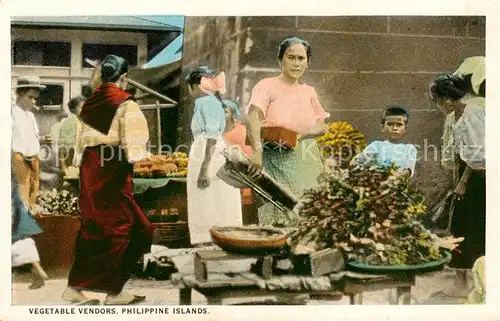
[[249, 239], [162, 166], [58, 217], [374, 217]]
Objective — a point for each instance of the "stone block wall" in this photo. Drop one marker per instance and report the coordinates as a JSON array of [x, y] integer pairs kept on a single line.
[[359, 65]]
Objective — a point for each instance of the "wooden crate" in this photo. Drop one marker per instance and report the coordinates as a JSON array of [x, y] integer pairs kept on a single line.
[[320, 263]]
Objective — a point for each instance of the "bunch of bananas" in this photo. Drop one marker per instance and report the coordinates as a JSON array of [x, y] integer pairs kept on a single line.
[[181, 160], [342, 140]]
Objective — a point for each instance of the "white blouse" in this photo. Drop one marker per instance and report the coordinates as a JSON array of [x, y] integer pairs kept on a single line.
[[469, 133]]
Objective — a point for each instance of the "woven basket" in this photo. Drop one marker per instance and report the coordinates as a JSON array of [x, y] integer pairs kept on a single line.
[[172, 235], [57, 242]]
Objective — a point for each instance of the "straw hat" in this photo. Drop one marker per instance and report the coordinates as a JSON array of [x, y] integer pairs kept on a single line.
[[29, 82]]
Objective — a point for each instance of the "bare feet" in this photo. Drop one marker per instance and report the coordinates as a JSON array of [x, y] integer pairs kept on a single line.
[[38, 276]]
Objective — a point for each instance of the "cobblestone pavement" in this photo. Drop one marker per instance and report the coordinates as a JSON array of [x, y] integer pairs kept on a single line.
[[164, 293]]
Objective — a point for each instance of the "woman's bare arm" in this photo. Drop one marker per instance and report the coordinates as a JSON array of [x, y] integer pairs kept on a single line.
[[254, 125]]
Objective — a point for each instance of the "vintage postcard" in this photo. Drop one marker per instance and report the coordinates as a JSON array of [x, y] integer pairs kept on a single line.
[[188, 162]]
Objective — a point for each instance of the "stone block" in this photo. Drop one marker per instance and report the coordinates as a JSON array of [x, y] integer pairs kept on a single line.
[[272, 22], [362, 52], [477, 27], [429, 25], [344, 23]]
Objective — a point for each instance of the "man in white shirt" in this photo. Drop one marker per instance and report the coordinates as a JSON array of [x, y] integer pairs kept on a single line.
[[68, 137], [26, 139]]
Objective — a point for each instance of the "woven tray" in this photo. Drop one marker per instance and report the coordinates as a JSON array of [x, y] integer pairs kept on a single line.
[[172, 235], [249, 239]]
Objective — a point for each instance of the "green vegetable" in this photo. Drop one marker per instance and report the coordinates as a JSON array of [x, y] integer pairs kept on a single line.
[[369, 216]]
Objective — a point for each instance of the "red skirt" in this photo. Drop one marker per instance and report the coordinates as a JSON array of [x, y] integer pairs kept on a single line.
[[115, 232]]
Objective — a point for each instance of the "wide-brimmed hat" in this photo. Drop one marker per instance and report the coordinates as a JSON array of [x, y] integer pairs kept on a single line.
[[29, 82]]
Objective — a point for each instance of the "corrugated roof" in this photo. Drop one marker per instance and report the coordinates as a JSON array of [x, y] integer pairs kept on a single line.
[[133, 23]]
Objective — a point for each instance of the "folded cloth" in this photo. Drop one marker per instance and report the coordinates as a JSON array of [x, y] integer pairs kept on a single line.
[[24, 251]]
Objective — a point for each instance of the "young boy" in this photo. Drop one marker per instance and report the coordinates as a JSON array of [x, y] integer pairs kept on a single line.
[[393, 150]]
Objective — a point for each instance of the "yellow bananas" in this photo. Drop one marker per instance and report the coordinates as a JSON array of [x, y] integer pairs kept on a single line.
[[342, 139]]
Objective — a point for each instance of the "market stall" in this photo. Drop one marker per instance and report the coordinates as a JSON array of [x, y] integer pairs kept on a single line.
[[359, 230], [160, 190]]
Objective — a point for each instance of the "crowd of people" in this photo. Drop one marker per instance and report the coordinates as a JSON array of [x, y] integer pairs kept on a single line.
[[109, 125]]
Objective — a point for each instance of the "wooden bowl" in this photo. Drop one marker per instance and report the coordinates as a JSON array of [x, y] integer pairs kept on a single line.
[[248, 239]]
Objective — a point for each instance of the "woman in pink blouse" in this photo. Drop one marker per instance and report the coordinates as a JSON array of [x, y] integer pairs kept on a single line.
[[286, 103]]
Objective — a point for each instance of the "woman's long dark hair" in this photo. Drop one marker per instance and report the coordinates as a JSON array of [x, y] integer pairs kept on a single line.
[[194, 78], [112, 67], [451, 87]]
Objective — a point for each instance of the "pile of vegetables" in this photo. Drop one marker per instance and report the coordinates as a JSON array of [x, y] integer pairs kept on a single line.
[[342, 140], [372, 215], [54, 202]]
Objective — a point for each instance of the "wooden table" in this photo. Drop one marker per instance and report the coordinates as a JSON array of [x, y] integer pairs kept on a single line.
[[285, 289], [216, 291], [355, 288]]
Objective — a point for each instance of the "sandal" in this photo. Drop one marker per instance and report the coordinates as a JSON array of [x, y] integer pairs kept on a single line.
[[135, 299], [76, 297], [88, 302]]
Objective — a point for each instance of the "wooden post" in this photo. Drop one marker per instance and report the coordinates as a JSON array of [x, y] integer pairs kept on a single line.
[[403, 295], [158, 124], [200, 268], [356, 298], [185, 296], [267, 267]]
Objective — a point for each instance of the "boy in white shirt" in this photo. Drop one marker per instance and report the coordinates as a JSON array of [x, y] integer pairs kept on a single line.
[[393, 150]]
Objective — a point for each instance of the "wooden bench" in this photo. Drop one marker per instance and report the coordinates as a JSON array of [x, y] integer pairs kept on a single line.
[[219, 287]]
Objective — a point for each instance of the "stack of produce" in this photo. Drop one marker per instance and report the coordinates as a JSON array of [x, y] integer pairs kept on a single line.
[[181, 160], [372, 216], [161, 166], [56, 202], [342, 140]]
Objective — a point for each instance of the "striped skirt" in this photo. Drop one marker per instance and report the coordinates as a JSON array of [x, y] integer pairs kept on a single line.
[[296, 169]]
